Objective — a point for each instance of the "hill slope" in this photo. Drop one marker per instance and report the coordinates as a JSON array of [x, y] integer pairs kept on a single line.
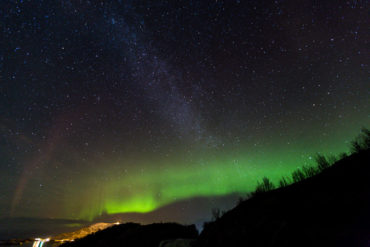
[[83, 232], [136, 235], [329, 209]]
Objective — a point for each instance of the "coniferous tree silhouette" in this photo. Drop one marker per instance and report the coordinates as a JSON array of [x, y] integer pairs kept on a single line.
[[283, 182], [362, 142], [298, 175], [322, 162]]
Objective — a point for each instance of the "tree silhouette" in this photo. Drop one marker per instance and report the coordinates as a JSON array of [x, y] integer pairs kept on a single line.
[[283, 182], [362, 142], [298, 175], [322, 162], [266, 185]]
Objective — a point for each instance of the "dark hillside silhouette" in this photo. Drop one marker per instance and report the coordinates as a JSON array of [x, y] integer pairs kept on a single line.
[[331, 208], [136, 235]]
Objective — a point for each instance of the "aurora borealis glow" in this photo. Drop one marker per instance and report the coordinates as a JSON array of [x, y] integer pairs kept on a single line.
[[118, 107]]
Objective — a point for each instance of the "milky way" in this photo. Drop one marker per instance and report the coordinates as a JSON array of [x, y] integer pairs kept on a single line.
[[112, 107]]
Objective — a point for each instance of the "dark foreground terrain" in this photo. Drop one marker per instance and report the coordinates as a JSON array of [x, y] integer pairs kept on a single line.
[[133, 234], [328, 209], [331, 208]]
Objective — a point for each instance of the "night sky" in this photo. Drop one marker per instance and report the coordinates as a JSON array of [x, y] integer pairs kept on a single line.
[[111, 107]]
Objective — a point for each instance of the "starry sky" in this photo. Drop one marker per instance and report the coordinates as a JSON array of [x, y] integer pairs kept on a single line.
[[114, 107]]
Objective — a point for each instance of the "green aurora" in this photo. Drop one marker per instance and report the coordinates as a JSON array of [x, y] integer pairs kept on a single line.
[[148, 188]]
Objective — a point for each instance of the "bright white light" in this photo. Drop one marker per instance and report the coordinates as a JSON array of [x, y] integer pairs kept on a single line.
[[36, 243]]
